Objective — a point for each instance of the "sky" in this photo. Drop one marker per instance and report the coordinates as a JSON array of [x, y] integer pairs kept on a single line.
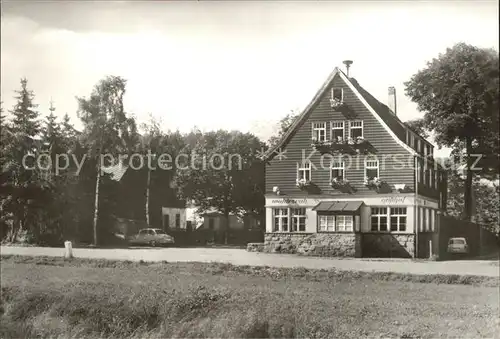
[[233, 65]]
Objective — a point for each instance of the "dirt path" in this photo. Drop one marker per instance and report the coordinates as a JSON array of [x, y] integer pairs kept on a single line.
[[242, 257]]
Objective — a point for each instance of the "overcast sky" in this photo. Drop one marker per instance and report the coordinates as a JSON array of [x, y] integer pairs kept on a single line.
[[234, 65]]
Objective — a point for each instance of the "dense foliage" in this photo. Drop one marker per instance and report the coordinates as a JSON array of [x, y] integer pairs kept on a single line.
[[63, 191], [458, 92]]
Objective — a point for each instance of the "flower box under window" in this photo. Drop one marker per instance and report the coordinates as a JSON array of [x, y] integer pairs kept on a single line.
[[373, 183], [342, 185], [303, 183]]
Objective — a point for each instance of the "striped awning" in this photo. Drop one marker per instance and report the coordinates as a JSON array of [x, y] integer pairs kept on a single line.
[[338, 206]]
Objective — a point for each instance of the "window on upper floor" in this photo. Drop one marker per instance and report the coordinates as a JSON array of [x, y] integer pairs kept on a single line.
[[337, 170], [319, 131], [412, 140], [337, 94], [429, 150], [371, 169], [418, 146], [338, 132], [356, 129], [420, 172], [426, 174], [304, 171]]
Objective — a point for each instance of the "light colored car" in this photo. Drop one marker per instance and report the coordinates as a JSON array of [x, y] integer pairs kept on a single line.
[[152, 237], [458, 245]]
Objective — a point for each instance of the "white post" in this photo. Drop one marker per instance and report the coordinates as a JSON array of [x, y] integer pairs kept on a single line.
[[430, 248], [68, 250]]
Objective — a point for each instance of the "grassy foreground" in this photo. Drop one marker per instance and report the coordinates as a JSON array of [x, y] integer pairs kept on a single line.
[[50, 297]]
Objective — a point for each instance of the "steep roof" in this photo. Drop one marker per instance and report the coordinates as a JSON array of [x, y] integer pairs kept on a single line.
[[386, 117]]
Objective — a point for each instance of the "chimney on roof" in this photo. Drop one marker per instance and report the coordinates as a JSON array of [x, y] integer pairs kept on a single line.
[[347, 64], [392, 100]]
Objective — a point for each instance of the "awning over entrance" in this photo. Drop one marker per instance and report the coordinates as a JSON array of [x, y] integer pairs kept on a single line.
[[338, 206]]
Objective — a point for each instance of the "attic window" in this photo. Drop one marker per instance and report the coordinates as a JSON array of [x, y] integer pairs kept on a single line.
[[337, 94]]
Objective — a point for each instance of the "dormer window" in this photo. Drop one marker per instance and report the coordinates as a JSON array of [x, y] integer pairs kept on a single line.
[[337, 97], [338, 94]]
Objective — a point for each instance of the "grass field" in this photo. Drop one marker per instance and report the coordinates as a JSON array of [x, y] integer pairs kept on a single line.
[[49, 297]]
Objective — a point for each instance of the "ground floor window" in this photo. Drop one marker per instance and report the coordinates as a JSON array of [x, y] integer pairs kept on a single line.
[[393, 219], [289, 219], [298, 219], [327, 223], [379, 219], [398, 219], [336, 223], [280, 219]]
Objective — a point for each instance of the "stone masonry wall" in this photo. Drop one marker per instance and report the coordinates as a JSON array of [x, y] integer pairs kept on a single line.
[[316, 244], [385, 245]]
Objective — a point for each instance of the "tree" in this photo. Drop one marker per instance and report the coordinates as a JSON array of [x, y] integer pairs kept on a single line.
[[458, 91], [285, 124], [485, 200], [150, 142], [418, 126], [22, 186], [217, 175], [107, 129]]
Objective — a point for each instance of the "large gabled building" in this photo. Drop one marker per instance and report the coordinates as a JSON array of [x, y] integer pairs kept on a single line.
[[349, 178]]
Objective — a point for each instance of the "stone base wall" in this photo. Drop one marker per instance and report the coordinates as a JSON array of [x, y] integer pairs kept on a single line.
[[316, 244], [255, 247], [388, 245]]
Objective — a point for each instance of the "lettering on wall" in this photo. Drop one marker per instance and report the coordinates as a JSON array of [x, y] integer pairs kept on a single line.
[[289, 201], [393, 200]]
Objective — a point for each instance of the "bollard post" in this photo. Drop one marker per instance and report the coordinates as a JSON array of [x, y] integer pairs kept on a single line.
[[430, 248], [68, 250]]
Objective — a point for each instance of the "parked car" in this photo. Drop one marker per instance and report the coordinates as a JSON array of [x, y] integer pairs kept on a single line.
[[152, 237], [458, 245]]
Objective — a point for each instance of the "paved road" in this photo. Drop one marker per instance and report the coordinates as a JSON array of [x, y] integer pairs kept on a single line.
[[242, 257]]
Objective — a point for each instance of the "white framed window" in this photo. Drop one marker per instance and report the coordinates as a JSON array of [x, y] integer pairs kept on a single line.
[[371, 169], [398, 219], [335, 223], [319, 131], [356, 128], [304, 171], [426, 173], [298, 220], [280, 220], [418, 146], [337, 94], [326, 223], [337, 170], [344, 223], [379, 219], [420, 173], [338, 131]]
